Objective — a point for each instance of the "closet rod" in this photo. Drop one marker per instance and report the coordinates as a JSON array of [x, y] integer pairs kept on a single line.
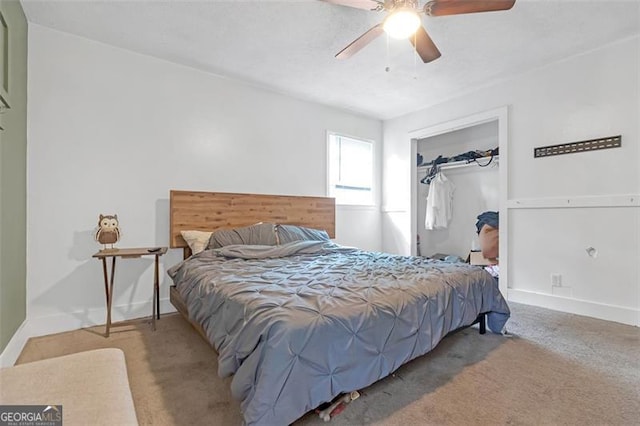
[[482, 161]]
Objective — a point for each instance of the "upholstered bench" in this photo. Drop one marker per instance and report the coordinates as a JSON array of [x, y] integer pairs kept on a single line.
[[92, 387]]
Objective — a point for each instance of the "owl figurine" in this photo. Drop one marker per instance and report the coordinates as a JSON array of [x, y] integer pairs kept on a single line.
[[108, 231]]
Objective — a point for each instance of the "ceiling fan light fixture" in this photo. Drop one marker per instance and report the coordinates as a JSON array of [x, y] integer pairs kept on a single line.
[[402, 23]]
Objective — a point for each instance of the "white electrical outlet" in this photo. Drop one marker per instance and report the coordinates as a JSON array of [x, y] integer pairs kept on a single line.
[[556, 280]]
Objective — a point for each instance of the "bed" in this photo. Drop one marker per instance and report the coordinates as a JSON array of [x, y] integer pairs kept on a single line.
[[299, 322]]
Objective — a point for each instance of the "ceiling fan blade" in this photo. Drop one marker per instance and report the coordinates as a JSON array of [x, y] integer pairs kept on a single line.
[[425, 47], [358, 4], [360, 42], [456, 7]]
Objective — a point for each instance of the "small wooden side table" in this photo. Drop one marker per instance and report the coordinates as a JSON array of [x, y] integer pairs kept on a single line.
[[128, 253]]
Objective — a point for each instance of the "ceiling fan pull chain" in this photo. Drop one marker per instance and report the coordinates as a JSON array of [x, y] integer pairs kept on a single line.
[[388, 67], [415, 54]]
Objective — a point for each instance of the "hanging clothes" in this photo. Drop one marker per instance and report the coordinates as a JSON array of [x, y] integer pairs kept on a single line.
[[439, 203], [488, 218], [488, 234]]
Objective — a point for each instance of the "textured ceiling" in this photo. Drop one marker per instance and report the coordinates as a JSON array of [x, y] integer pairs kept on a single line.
[[288, 46]]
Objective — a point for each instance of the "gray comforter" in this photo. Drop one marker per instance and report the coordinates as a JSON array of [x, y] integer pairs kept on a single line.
[[299, 324]]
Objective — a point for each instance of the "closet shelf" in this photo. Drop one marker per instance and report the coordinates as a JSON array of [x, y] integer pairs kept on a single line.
[[464, 163]]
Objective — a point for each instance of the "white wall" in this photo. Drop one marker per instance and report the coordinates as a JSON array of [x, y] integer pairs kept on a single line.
[[582, 97], [111, 131], [476, 188]]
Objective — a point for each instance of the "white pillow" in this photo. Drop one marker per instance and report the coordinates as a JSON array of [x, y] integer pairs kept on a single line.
[[197, 240]]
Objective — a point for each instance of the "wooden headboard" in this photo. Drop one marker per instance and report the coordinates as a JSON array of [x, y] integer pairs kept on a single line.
[[208, 211]]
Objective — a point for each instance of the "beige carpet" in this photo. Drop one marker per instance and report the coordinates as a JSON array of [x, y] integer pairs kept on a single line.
[[555, 369]]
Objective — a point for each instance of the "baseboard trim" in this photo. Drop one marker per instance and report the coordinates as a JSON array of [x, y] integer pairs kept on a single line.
[[13, 349], [51, 324], [603, 311], [67, 321]]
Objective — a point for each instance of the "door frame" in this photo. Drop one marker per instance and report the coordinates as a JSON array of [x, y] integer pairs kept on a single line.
[[501, 115]]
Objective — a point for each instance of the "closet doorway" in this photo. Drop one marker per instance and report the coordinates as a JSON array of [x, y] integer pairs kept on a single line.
[[477, 189]]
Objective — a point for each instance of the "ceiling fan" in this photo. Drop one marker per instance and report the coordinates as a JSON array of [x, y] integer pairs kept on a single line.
[[403, 21]]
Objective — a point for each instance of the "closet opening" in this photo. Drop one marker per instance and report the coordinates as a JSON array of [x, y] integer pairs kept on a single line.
[[467, 180]]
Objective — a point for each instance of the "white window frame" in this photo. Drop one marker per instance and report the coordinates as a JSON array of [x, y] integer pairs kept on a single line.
[[374, 180]]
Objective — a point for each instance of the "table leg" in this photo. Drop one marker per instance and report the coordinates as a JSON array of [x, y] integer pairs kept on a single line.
[[110, 290], [156, 296], [106, 281], [157, 287]]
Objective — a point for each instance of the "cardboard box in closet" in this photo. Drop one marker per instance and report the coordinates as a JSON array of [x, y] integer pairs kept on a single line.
[[476, 258]]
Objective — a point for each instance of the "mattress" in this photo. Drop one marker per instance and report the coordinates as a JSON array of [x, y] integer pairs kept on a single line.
[[298, 324]]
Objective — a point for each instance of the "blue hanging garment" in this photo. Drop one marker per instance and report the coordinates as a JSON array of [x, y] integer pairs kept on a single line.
[[487, 218]]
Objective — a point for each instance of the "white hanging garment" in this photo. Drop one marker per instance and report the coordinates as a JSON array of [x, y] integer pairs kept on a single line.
[[430, 214], [439, 203]]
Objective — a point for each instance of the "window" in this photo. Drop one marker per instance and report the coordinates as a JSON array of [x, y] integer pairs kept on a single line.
[[350, 170]]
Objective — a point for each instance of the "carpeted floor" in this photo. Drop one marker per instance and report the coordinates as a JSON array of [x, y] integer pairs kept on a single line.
[[555, 368]]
